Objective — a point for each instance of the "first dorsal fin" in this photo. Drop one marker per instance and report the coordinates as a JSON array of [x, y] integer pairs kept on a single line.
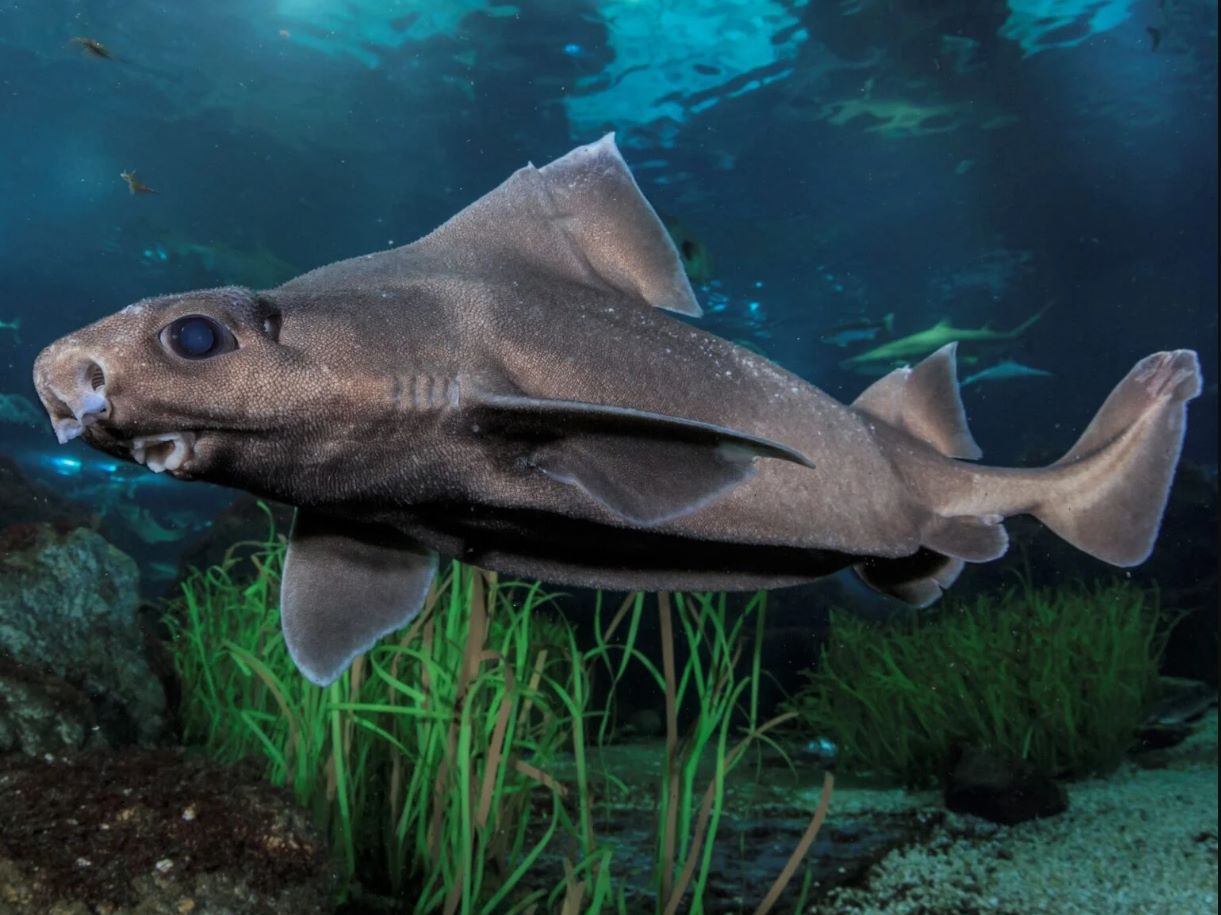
[[610, 222], [924, 402], [581, 217]]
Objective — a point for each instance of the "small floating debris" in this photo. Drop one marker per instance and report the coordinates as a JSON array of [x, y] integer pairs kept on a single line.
[[93, 46], [134, 184]]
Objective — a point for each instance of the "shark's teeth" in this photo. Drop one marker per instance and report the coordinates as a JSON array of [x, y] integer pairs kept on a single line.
[[167, 451]]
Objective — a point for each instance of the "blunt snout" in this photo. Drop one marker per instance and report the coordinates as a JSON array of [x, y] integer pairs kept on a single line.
[[71, 383]]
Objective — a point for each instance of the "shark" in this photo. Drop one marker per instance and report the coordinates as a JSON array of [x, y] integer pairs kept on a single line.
[[922, 343], [526, 389], [861, 330], [1003, 371]]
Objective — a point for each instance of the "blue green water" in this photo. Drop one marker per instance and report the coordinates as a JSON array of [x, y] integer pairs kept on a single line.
[[836, 172], [834, 161]]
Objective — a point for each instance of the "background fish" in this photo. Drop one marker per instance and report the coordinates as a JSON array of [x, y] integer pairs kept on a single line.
[[920, 344], [863, 330], [1003, 371]]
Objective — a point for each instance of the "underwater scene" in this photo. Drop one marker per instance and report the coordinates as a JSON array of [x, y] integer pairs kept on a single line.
[[625, 457]]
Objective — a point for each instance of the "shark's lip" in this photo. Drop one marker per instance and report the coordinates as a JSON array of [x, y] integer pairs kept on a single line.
[[164, 450]]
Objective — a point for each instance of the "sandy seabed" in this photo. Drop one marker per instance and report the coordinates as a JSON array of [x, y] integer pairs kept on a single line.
[[1143, 841]]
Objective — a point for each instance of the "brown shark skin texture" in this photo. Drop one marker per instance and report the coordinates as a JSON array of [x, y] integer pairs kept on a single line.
[[375, 400]]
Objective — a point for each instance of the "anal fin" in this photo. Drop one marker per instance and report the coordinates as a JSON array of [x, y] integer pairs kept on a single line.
[[946, 544], [918, 579]]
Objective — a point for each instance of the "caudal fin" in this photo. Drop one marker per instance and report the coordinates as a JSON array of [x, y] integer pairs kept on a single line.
[[1028, 323], [1107, 495]]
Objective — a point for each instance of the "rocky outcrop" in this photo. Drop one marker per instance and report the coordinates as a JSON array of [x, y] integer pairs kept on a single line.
[[68, 608], [41, 713], [999, 789], [153, 832]]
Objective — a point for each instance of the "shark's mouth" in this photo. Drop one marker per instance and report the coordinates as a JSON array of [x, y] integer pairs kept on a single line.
[[164, 451]]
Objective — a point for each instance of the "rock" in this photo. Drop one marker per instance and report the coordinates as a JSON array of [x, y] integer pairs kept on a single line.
[[147, 832], [68, 606], [1182, 703], [1001, 790], [644, 722], [41, 713]]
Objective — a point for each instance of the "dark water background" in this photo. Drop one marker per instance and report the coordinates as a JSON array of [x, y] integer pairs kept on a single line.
[[968, 160]]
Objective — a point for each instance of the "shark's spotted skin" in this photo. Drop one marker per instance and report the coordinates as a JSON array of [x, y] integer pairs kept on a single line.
[[511, 390]]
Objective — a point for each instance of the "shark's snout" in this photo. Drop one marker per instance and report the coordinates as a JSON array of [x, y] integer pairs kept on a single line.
[[72, 381], [72, 386]]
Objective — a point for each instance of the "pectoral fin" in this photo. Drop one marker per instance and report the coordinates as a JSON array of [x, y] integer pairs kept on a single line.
[[646, 467], [345, 585], [646, 481]]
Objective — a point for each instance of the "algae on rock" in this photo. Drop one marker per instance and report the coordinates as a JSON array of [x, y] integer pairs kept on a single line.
[[68, 606]]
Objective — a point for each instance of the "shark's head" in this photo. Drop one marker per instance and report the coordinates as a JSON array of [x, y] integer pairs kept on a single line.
[[196, 384]]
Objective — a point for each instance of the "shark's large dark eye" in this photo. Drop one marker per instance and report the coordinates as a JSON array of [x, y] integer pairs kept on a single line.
[[197, 337]]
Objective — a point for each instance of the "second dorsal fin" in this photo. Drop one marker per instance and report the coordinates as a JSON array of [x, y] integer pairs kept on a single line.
[[924, 402]]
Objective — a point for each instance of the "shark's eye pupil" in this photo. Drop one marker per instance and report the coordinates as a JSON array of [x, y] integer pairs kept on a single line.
[[198, 337]]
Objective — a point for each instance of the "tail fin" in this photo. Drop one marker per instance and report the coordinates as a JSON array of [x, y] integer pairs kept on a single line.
[[1113, 484], [1028, 323]]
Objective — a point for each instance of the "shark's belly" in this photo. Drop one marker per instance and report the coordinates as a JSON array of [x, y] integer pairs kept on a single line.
[[572, 551]]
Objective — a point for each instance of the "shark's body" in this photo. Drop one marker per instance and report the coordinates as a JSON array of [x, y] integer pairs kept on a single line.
[[924, 342], [508, 390]]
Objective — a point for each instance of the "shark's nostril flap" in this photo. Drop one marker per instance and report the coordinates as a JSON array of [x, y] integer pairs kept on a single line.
[[89, 405], [73, 389]]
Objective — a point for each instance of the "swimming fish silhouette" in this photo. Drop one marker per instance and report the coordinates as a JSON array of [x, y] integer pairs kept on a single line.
[[510, 390], [928, 341], [1003, 371]]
